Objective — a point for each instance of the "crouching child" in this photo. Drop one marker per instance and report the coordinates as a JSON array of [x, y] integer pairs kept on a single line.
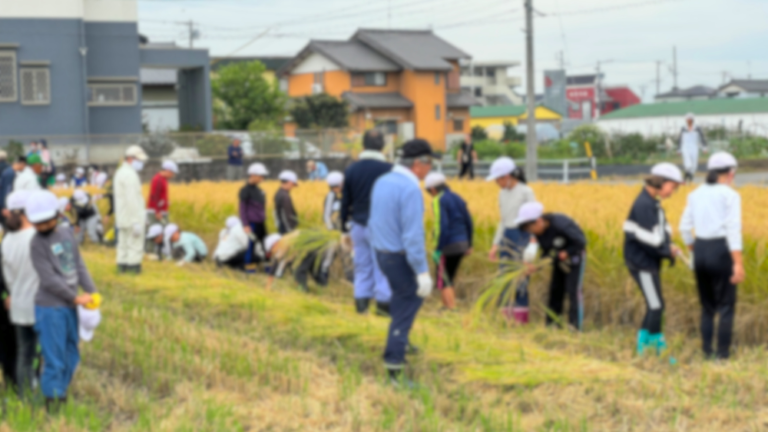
[[190, 247], [88, 217], [233, 245], [60, 268], [560, 238], [276, 254], [156, 238]]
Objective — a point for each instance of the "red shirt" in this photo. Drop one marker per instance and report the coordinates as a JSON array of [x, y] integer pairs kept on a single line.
[[158, 194]]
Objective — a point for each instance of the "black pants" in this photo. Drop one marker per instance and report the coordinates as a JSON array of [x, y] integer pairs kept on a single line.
[[310, 265], [447, 269], [467, 169], [714, 267], [7, 348], [567, 282], [237, 262], [649, 282], [27, 359]]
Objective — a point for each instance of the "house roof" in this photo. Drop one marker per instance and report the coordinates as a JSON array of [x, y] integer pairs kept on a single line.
[[460, 100], [157, 77], [698, 107], [412, 49], [376, 100], [749, 85], [497, 111], [581, 79], [270, 62], [695, 91], [353, 56]]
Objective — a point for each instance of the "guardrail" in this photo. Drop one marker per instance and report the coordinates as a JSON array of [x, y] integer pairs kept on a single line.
[[564, 170]]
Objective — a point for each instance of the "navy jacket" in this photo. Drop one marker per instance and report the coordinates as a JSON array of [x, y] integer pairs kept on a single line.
[[6, 184], [562, 234], [356, 194], [453, 223], [646, 234]]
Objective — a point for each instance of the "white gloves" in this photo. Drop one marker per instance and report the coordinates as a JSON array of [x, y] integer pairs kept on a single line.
[[424, 282], [138, 230], [530, 252]]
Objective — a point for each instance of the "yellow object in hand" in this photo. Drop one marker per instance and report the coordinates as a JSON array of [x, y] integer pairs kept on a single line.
[[95, 303]]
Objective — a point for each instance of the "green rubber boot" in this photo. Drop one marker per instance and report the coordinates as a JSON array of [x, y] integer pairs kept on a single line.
[[642, 341], [659, 344]]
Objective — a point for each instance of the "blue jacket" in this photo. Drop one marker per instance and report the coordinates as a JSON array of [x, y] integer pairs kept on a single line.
[[320, 172], [6, 184], [453, 223], [397, 217], [356, 194], [234, 155]]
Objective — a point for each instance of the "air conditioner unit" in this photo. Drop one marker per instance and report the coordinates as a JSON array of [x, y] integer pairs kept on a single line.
[[317, 88]]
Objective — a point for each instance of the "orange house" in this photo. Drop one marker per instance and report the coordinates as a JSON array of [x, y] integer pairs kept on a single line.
[[404, 82]]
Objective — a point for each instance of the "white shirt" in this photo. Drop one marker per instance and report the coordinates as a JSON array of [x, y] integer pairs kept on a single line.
[[713, 211], [231, 242], [510, 201], [26, 180], [129, 199], [20, 275]]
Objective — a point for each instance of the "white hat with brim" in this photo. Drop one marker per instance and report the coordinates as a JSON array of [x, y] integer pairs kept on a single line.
[[41, 206], [335, 178], [434, 179], [137, 152], [88, 320], [170, 166], [667, 171], [501, 167], [721, 160], [80, 197], [257, 169], [154, 231], [79, 171], [232, 222], [288, 176], [529, 212], [170, 230], [17, 200], [271, 241], [61, 177]]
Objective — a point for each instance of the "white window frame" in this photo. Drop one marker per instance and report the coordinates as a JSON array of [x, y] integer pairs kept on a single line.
[[14, 76], [34, 70], [120, 86]]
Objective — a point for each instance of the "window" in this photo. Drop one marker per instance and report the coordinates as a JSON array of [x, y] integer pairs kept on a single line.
[[35, 86], [112, 94], [478, 92], [437, 78], [437, 112], [458, 125], [7, 76], [376, 79]]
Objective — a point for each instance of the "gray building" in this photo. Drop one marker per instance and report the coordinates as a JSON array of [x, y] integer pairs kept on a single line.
[[698, 92], [72, 68]]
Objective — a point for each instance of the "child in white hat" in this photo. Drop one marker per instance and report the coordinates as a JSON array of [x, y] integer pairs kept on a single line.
[[155, 237], [191, 247], [88, 217], [252, 208], [233, 245], [79, 179], [61, 181], [58, 264], [285, 213]]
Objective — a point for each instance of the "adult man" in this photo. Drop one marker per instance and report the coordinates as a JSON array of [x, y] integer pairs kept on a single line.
[[234, 160], [691, 140], [26, 179], [466, 157], [355, 205], [157, 204], [130, 214], [397, 235], [316, 170]]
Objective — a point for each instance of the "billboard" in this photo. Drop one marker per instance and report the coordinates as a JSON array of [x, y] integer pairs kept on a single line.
[[554, 91]]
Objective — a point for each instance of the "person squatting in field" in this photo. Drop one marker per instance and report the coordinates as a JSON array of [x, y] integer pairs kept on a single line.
[[87, 217], [647, 241], [510, 241], [453, 235], [185, 246], [233, 245], [560, 238], [359, 178], [397, 234], [711, 228]]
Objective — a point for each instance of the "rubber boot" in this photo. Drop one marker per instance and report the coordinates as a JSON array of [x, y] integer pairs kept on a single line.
[[361, 305], [382, 309], [642, 341], [659, 344], [398, 379]]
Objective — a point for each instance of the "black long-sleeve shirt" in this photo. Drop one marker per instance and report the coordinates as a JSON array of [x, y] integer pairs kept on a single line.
[[285, 213], [646, 234], [562, 234]]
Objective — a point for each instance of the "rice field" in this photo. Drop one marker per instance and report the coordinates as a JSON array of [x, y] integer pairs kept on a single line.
[[200, 349]]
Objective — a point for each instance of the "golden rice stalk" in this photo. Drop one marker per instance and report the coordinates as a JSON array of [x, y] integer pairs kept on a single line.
[[311, 241]]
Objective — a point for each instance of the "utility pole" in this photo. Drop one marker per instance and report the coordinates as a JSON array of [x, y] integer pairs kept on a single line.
[[658, 77], [674, 67], [597, 92], [531, 158], [191, 25]]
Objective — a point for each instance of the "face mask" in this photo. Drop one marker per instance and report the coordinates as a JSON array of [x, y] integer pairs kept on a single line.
[[47, 232], [137, 165]]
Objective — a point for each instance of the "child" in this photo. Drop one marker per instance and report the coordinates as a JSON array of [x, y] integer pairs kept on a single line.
[[453, 234], [647, 241], [156, 238], [88, 217], [192, 247], [57, 261], [285, 213], [61, 181], [561, 238], [233, 245], [332, 203], [65, 206], [22, 283], [79, 179], [510, 241], [253, 204]]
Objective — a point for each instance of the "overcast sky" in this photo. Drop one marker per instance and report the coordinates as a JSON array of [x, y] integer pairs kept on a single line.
[[712, 37]]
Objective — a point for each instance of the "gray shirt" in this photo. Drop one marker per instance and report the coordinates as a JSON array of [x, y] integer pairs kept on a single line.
[[510, 201], [60, 268]]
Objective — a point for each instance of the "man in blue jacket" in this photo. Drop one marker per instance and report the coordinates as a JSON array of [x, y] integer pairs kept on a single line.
[[355, 205], [397, 235]]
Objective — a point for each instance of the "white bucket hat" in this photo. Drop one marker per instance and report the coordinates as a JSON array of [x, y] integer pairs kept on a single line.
[[17, 200], [258, 169], [232, 222], [154, 231], [80, 197], [721, 160], [501, 167], [41, 206], [668, 171], [529, 212], [170, 166], [434, 179], [335, 178], [288, 176], [88, 320], [271, 241], [170, 230]]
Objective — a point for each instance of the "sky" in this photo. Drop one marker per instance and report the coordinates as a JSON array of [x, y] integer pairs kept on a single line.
[[716, 40]]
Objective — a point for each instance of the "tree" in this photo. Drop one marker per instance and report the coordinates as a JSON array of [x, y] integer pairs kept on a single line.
[[478, 133], [511, 134], [244, 96], [320, 111]]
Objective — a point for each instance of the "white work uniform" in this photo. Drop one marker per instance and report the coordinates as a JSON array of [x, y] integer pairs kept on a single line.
[[26, 180], [690, 143], [232, 241], [130, 215]]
